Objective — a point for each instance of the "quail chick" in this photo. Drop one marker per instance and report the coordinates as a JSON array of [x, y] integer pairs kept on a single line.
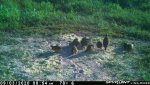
[[56, 48], [84, 42], [74, 42], [74, 50], [99, 44], [128, 46], [89, 48]]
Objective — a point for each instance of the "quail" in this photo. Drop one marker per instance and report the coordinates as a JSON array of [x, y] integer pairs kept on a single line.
[[75, 42], [105, 42], [74, 50], [89, 48], [56, 48], [84, 42], [128, 46], [99, 44]]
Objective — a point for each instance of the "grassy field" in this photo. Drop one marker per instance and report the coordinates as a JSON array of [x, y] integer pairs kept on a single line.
[[26, 26]]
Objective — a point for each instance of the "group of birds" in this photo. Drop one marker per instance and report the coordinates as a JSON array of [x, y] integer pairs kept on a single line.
[[76, 45]]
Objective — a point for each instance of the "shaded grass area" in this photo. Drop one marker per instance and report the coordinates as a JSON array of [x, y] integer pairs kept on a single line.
[[47, 31], [112, 30]]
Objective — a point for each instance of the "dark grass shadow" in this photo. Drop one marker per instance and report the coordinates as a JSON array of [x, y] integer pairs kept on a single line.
[[45, 54], [80, 54], [66, 51]]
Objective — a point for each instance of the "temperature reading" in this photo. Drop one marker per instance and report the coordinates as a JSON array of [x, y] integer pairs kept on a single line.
[[62, 82], [66, 83], [72, 83]]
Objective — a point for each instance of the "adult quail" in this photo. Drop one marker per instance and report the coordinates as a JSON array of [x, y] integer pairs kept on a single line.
[[105, 42]]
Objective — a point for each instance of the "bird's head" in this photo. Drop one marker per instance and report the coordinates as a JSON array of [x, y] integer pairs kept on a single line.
[[76, 39], [58, 44], [51, 45], [91, 45], [106, 35]]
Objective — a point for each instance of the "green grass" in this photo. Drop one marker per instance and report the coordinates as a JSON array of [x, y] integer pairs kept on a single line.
[[128, 22]]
